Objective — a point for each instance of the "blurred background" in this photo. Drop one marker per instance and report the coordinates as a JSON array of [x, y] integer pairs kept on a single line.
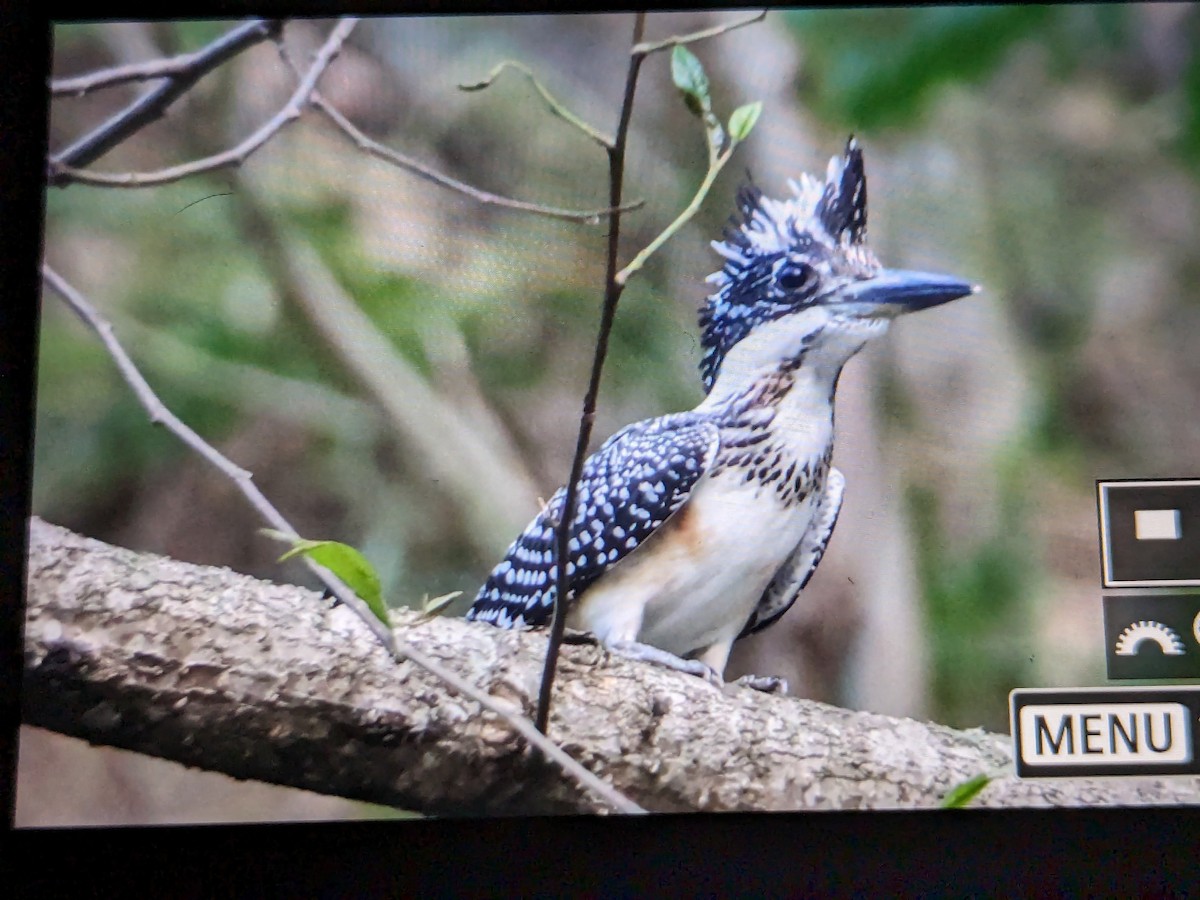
[[402, 368]]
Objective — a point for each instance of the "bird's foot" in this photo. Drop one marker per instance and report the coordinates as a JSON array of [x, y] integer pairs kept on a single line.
[[646, 653], [768, 684]]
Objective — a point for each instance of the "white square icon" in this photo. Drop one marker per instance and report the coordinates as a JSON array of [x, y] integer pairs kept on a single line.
[[1157, 525], [1145, 536]]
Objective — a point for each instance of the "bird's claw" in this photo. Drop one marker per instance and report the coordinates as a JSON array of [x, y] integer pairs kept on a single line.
[[647, 653], [707, 672], [768, 684]]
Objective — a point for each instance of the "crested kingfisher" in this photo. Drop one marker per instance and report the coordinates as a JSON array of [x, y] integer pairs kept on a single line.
[[697, 528]]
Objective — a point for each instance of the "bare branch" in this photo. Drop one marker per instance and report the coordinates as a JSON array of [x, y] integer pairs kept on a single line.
[[202, 61], [717, 30], [420, 169], [147, 71], [613, 287], [555, 106], [158, 412], [714, 169], [61, 172], [80, 85], [183, 73], [243, 480], [378, 150], [612, 294], [310, 404]]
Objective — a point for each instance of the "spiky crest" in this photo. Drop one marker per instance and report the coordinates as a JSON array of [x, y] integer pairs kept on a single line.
[[824, 222]]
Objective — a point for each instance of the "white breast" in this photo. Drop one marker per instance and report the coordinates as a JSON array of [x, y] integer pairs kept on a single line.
[[692, 585], [695, 583]]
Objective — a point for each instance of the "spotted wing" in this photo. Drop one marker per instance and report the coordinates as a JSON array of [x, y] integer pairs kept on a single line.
[[637, 480], [791, 578]]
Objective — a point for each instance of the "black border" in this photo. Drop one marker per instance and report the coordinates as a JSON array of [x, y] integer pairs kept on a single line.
[[24, 58], [963, 853], [1023, 852]]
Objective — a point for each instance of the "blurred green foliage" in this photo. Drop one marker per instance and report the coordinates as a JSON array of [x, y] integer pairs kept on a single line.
[[977, 609], [876, 68], [880, 68]]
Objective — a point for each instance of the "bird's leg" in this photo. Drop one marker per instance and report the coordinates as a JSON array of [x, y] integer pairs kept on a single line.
[[646, 653], [768, 684]]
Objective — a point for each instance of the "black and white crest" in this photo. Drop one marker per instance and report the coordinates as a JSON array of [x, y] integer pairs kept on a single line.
[[776, 252]]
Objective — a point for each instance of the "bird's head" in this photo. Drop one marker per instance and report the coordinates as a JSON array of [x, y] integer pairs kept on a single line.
[[799, 278]]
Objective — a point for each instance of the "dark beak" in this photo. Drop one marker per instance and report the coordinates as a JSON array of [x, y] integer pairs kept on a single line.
[[894, 292]]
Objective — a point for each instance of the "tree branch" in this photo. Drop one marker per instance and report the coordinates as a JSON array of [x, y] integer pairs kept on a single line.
[[716, 164], [62, 172], [704, 34], [614, 285], [420, 169], [151, 106], [242, 479], [191, 66], [264, 681], [416, 167], [553, 104], [612, 294]]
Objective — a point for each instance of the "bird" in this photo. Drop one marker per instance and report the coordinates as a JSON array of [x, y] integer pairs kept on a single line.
[[695, 529]]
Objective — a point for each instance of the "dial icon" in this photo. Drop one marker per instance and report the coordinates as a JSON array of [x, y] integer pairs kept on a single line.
[[1132, 638]]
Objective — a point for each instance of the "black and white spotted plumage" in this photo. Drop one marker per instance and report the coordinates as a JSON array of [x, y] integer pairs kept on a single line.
[[698, 528], [636, 481], [794, 575]]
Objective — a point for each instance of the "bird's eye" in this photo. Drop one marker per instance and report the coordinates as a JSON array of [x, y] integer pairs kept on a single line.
[[797, 278]]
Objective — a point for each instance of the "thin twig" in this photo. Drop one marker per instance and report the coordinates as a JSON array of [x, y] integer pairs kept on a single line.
[[236, 155], [614, 285], [160, 415], [243, 480], [704, 34], [364, 143], [183, 65], [80, 85], [612, 294], [309, 404], [714, 169], [420, 169], [154, 103], [556, 107]]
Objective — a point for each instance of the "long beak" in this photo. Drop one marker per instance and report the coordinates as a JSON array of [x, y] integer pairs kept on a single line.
[[894, 292]]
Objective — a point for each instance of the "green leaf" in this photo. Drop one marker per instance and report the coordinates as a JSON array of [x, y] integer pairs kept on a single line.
[[743, 120], [964, 793], [343, 561], [430, 607], [688, 75]]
